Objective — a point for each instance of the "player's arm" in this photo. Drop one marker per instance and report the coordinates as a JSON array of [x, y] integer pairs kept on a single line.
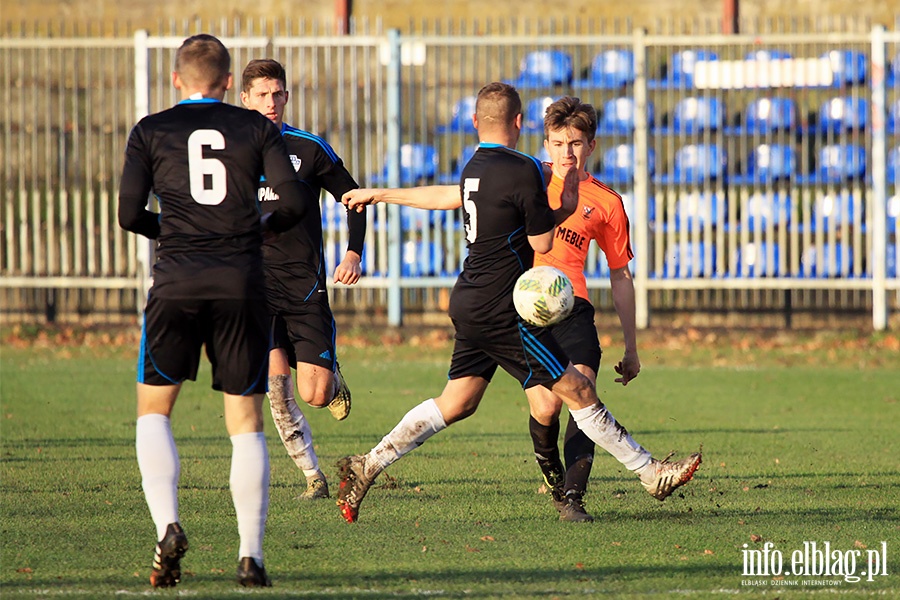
[[568, 197], [432, 197], [335, 179], [295, 196], [623, 299], [137, 180]]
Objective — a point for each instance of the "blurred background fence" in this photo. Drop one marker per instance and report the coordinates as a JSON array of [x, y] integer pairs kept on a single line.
[[759, 170]]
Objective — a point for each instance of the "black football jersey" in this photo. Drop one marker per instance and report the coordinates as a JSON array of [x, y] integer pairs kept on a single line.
[[294, 260], [504, 201], [203, 160]]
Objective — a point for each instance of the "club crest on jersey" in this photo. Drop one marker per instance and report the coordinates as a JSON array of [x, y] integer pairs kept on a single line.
[[295, 160], [586, 212]]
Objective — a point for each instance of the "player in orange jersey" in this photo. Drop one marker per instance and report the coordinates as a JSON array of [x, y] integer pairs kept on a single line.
[[569, 127]]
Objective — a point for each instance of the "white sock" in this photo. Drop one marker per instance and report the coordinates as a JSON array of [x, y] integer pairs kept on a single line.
[[160, 468], [292, 426], [599, 425], [250, 490], [419, 424]]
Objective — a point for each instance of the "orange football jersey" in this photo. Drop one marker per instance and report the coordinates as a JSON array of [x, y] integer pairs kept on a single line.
[[600, 216]]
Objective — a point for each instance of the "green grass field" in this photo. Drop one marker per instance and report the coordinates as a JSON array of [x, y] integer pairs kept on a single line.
[[800, 445]]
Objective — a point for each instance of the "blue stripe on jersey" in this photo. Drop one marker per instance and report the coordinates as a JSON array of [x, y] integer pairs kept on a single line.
[[141, 351], [263, 372], [199, 101], [509, 241], [534, 347], [536, 162], [288, 130]]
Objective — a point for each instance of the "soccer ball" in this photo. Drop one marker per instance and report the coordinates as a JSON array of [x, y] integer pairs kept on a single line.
[[543, 296]]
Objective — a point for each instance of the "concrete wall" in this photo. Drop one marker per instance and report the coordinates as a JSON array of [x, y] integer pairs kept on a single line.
[[652, 14]]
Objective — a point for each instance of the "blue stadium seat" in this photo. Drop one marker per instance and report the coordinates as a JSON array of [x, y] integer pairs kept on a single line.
[[698, 210], [893, 165], [893, 213], [461, 120], [848, 66], [422, 259], [461, 161], [758, 260], [618, 164], [610, 69], [617, 116], [680, 73], [831, 211], [689, 259], [769, 163], [693, 115], [533, 117], [891, 261], [893, 73], [544, 68], [843, 114], [417, 162], [765, 115], [766, 209], [696, 163], [893, 117], [831, 260], [837, 163], [767, 54]]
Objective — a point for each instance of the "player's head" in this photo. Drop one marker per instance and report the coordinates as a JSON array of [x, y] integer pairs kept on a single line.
[[202, 65], [569, 128], [263, 88], [498, 109]]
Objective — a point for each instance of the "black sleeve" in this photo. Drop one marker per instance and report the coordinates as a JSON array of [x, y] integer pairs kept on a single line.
[[134, 189], [337, 180], [295, 196]]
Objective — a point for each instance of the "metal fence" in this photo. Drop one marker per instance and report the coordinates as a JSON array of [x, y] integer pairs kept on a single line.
[[765, 163]]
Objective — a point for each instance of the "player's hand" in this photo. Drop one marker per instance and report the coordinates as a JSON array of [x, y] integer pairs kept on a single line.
[[628, 368], [358, 199], [350, 269], [569, 195]]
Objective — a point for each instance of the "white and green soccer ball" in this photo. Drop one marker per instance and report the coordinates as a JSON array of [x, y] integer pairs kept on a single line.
[[543, 296]]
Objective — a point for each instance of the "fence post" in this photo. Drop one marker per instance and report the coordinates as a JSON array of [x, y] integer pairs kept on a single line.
[[641, 189], [141, 110], [879, 182], [395, 241]]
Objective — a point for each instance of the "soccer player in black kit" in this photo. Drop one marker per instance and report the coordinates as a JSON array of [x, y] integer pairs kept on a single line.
[[507, 219], [203, 160], [302, 324]]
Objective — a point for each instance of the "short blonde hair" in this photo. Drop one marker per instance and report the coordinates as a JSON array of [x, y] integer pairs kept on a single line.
[[498, 103]]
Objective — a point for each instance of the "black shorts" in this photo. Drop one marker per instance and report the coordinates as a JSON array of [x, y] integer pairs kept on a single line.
[[528, 353], [307, 334], [577, 335], [235, 333]]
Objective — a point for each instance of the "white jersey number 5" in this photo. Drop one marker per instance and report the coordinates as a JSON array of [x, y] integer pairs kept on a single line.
[[470, 185], [201, 167]]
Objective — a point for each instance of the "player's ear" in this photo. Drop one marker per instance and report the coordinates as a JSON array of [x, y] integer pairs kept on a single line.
[[229, 81], [475, 120], [592, 146], [176, 80], [519, 121], [245, 99], [287, 96]]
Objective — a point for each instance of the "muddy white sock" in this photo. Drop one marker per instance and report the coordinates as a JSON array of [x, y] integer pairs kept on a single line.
[[419, 424], [292, 426], [599, 425]]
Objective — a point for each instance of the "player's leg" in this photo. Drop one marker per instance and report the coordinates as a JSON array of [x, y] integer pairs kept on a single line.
[[319, 378], [238, 347], [169, 354], [290, 422], [659, 478], [459, 399], [470, 372], [543, 424]]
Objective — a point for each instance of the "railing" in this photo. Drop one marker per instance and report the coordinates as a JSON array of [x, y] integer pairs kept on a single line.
[[720, 195]]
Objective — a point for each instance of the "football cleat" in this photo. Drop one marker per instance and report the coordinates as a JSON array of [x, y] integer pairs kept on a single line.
[[353, 487], [572, 510], [662, 478], [316, 487], [167, 557], [340, 404], [251, 574]]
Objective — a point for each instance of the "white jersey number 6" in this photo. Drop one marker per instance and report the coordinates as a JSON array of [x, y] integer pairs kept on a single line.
[[201, 167]]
